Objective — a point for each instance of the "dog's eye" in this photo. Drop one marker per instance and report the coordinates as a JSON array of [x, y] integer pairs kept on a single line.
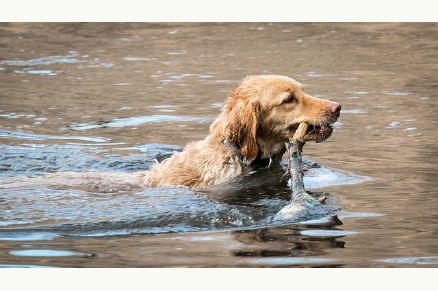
[[290, 99]]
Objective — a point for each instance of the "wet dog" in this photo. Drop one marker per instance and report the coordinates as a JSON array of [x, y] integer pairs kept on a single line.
[[259, 116]]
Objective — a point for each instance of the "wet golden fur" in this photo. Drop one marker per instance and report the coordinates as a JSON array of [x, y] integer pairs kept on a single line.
[[259, 116]]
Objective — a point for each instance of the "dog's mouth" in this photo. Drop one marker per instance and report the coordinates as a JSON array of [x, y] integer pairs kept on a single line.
[[315, 133]]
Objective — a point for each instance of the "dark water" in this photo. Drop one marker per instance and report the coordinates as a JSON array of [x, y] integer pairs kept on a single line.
[[110, 98]]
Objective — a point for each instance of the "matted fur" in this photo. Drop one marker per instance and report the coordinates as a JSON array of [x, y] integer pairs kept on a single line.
[[259, 116]]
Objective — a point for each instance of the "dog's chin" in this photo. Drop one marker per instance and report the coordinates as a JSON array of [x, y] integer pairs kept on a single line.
[[315, 133], [318, 134]]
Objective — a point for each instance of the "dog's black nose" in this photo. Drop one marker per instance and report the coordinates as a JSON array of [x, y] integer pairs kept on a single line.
[[335, 108]]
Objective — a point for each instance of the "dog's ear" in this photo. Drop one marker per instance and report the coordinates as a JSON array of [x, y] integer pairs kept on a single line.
[[238, 122]]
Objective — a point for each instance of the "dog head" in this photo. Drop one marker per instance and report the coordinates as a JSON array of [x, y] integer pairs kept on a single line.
[[263, 112]]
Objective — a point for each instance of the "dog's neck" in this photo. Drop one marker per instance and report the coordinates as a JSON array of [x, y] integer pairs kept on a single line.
[[263, 159], [271, 149], [235, 151]]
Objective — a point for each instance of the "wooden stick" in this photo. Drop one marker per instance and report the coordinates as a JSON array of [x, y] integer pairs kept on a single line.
[[296, 167], [300, 201], [294, 148], [300, 133]]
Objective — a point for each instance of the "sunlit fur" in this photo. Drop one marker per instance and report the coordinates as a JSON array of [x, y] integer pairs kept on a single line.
[[259, 116]]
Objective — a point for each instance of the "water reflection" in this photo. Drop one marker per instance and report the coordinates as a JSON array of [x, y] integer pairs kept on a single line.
[[290, 246]]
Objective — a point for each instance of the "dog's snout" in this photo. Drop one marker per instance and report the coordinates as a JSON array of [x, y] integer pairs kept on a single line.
[[335, 108]]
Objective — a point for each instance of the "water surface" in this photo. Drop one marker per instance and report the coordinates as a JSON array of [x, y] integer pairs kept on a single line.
[[109, 98]]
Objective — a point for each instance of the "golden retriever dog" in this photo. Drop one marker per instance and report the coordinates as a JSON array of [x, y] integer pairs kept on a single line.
[[258, 118]]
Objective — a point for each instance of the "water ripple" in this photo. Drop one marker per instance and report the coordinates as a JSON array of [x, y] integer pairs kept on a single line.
[[22, 135], [131, 121], [412, 260], [42, 61]]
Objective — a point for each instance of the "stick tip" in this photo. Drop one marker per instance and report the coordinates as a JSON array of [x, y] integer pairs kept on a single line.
[[322, 199]]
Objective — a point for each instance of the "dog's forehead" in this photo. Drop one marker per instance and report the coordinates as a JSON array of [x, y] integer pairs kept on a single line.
[[290, 84], [283, 84]]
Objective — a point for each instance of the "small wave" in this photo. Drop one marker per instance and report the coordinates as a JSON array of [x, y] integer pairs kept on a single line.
[[87, 198], [43, 72], [42, 61], [433, 260], [156, 210], [29, 161], [354, 111], [132, 121], [23, 135], [327, 177]]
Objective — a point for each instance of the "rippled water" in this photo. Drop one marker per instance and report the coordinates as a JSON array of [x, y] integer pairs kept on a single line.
[[83, 106]]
